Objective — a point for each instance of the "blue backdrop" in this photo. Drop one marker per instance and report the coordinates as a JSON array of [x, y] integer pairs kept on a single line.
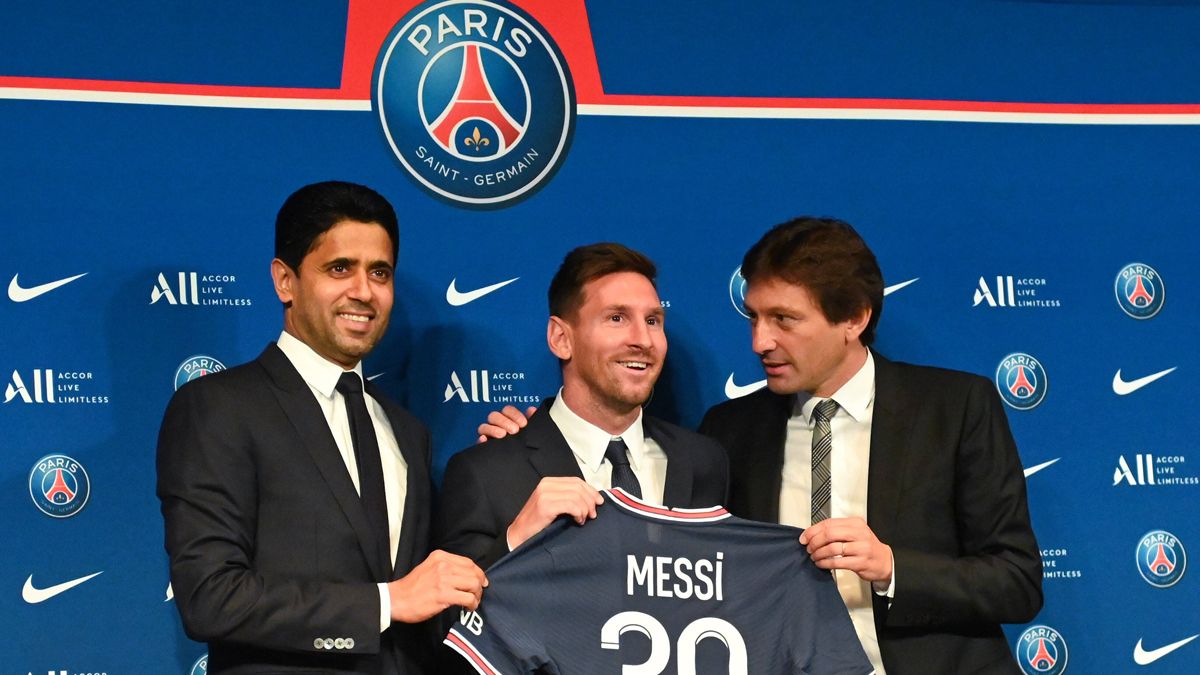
[[716, 120]]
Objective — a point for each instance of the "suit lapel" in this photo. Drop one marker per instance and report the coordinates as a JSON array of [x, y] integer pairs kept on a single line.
[[890, 436], [306, 417], [548, 450], [677, 488]]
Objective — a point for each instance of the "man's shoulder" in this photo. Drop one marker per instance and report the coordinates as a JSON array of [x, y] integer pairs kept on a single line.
[[666, 433], [750, 406], [238, 378], [932, 380]]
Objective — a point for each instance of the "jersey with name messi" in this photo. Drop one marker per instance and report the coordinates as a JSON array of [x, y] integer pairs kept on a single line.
[[644, 590]]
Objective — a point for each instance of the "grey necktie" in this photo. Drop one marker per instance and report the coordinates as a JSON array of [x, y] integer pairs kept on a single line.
[[822, 443], [622, 473]]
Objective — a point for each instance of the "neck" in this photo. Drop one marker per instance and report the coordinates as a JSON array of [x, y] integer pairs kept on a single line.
[[847, 369], [613, 421]]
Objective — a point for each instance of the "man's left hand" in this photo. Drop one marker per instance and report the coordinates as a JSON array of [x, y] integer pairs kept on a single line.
[[849, 544]]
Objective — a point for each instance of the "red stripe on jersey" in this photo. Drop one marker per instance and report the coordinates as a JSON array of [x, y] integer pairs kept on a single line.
[[626, 500], [468, 650]]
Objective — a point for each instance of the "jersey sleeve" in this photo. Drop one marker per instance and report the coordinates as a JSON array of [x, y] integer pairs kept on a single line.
[[506, 635]]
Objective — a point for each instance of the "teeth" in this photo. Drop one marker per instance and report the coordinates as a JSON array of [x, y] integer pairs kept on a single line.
[[355, 317], [639, 365]]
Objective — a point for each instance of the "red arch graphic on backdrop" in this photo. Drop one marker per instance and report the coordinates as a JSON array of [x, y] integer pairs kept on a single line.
[[368, 24]]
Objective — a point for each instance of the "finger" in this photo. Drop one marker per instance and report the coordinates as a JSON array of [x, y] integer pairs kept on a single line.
[[514, 415], [529, 411], [499, 419], [481, 439], [492, 431]]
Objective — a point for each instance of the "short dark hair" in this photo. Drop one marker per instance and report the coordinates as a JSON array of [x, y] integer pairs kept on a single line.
[[312, 210], [590, 262], [829, 259]]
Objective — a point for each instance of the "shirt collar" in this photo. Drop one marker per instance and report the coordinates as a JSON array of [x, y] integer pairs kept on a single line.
[[320, 374], [588, 441], [855, 397]]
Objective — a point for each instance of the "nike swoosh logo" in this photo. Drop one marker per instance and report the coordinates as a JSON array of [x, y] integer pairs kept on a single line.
[[895, 287], [380, 374], [738, 390], [1122, 387], [34, 595], [1143, 657], [458, 298], [1034, 469], [18, 294]]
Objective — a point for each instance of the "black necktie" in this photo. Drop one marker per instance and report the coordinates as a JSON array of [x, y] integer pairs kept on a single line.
[[370, 466], [822, 444], [622, 473]]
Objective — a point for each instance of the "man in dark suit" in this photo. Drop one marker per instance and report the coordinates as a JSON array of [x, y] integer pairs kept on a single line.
[[908, 481], [606, 328], [296, 507]]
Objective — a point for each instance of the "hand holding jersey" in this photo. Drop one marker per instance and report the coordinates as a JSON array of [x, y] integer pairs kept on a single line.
[[849, 544], [554, 496]]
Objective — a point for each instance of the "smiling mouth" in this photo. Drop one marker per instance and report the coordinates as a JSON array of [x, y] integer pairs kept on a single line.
[[357, 318], [635, 365]]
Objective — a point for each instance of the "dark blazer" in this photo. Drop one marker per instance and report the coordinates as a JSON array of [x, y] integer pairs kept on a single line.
[[486, 485], [267, 537], [946, 492]]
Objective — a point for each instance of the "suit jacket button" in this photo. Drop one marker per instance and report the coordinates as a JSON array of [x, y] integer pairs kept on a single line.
[[349, 643], [318, 643], [328, 643], [339, 643]]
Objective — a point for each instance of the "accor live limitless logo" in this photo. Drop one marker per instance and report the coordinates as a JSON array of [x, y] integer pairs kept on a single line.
[[48, 386], [1013, 291], [197, 289], [483, 386], [1153, 470]]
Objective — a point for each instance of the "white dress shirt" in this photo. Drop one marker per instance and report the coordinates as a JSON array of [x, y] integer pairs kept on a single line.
[[588, 442], [322, 376], [849, 459]]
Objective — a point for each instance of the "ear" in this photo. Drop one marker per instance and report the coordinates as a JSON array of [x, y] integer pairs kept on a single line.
[[558, 338], [857, 324], [285, 280]]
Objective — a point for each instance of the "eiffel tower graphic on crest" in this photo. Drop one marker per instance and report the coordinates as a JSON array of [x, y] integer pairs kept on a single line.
[[474, 100]]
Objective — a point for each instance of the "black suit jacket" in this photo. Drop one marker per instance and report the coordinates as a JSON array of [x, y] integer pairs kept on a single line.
[[267, 538], [486, 485], [945, 490]]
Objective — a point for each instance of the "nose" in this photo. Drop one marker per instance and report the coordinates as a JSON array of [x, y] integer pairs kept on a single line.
[[360, 286], [639, 336], [762, 340]]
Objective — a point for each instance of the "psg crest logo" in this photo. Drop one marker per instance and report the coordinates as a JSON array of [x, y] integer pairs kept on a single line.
[[1021, 381], [1161, 559], [59, 486], [1041, 650], [475, 101], [194, 367], [1140, 290], [737, 291], [200, 667]]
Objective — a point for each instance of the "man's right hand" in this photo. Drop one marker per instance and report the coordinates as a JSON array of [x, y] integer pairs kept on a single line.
[[442, 580], [553, 497], [504, 422]]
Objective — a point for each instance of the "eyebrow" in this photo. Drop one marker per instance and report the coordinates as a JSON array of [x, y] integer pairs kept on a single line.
[[351, 262]]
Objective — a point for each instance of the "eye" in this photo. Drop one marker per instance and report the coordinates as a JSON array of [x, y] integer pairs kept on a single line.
[[382, 274], [616, 318], [653, 321]]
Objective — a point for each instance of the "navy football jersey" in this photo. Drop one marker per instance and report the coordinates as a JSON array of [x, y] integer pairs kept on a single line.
[[644, 589]]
